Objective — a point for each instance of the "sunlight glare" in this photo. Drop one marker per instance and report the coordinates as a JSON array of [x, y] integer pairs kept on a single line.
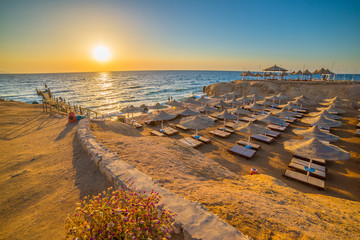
[[101, 53]]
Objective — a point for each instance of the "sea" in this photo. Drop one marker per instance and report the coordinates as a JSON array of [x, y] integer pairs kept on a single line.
[[107, 92]]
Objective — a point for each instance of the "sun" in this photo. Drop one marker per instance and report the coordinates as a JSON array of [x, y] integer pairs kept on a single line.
[[101, 53]]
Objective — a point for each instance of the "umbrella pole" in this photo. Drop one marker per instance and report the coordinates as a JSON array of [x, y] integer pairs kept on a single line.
[[224, 125], [162, 126], [197, 134]]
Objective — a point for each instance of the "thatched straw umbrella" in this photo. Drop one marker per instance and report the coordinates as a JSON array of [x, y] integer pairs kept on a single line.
[[188, 112], [326, 114], [321, 121], [225, 115], [316, 132], [197, 122], [250, 128], [162, 116]]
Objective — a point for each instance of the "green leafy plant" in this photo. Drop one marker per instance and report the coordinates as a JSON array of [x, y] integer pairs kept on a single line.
[[121, 214]]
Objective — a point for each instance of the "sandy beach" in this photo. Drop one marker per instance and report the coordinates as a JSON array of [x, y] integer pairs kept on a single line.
[[51, 173], [44, 172]]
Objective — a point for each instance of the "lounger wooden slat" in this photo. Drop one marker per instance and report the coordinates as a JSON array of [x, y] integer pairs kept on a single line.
[[276, 127], [191, 142], [157, 133], [170, 131], [227, 130], [220, 133], [242, 151], [179, 126], [262, 138], [202, 139], [230, 124], [303, 110], [273, 134], [247, 119], [289, 119], [315, 160], [306, 163], [299, 115], [301, 168], [301, 177], [253, 145]]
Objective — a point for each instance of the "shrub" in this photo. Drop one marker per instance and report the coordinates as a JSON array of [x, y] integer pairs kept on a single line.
[[121, 214]]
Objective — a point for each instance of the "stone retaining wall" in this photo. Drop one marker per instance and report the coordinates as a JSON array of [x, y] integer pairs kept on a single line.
[[192, 217]]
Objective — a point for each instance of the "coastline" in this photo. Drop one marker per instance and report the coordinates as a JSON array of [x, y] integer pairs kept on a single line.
[[253, 204]]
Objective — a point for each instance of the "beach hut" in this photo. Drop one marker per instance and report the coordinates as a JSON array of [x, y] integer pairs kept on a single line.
[[316, 132]]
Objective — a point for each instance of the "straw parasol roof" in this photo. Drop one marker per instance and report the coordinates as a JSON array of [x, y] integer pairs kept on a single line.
[[270, 118], [313, 148], [190, 100], [162, 116], [157, 106], [297, 102], [303, 98], [202, 99], [321, 121], [232, 101], [284, 113], [197, 122], [207, 108], [250, 127], [265, 102], [281, 96], [274, 69], [227, 95], [336, 98], [254, 96], [322, 71], [272, 97], [332, 109], [256, 106], [240, 111], [188, 112], [247, 73], [306, 72], [289, 106], [316, 132], [243, 99], [326, 114], [299, 72], [221, 103], [315, 72], [174, 103], [236, 94], [225, 115], [130, 109]]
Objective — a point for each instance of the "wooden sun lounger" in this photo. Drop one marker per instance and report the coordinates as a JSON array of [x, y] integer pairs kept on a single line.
[[283, 125], [299, 115], [227, 130], [273, 134], [179, 126], [253, 145], [191, 142], [220, 133], [301, 168], [242, 151], [202, 139], [306, 163], [262, 138], [315, 160], [301, 177], [247, 119], [289, 119], [230, 124], [170, 131], [157, 133], [276, 127], [303, 110]]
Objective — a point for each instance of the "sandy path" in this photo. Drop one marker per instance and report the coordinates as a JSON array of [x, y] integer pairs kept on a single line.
[[43, 172]]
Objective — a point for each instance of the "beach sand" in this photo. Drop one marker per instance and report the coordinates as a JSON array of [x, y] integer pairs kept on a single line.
[[262, 206], [43, 172]]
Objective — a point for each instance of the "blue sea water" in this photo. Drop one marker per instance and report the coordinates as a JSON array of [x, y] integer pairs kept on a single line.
[[106, 92]]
